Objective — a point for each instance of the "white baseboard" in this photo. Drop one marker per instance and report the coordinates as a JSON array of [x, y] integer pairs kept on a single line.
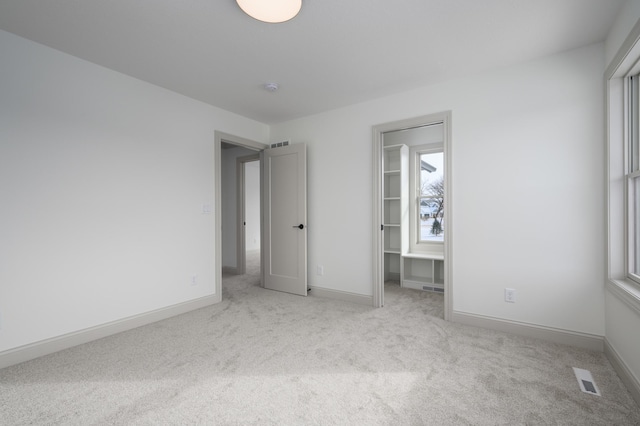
[[630, 381], [341, 295], [55, 344], [565, 337]]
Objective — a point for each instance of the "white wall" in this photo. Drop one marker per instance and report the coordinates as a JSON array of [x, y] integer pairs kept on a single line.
[[102, 182], [622, 320], [527, 182]]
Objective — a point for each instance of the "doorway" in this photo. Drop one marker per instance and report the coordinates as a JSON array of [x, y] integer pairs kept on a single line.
[[226, 202], [248, 231], [399, 247], [234, 211], [283, 214]]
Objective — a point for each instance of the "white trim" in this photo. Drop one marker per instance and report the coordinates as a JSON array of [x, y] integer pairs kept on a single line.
[[625, 59], [615, 197], [555, 335], [378, 219], [626, 375], [340, 295], [241, 261], [378, 281], [240, 141], [55, 344], [626, 293]]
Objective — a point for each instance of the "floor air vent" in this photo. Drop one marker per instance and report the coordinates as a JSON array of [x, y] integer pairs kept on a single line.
[[586, 382], [436, 289]]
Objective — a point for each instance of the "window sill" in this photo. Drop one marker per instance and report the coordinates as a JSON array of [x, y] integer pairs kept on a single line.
[[626, 291]]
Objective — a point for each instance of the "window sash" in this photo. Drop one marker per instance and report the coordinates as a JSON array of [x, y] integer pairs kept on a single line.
[[430, 242], [633, 109], [633, 226]]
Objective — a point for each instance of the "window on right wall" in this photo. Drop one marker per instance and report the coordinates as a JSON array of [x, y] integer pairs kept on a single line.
[[632, 173], [622, 79]]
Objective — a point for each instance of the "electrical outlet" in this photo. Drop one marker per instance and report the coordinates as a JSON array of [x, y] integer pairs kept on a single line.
[[509, 295], [320, 270], [194, 280]]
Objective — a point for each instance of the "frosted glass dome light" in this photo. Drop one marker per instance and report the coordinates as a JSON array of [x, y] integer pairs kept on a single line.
[[272, 11]]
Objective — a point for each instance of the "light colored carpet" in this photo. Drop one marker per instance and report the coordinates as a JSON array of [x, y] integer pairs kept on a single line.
[[263, 357]]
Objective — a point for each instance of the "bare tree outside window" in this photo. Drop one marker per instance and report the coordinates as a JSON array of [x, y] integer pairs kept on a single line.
[[433, 198]]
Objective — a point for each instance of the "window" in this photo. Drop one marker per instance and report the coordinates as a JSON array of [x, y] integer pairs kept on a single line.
[[632, 172], [431, 196], [622, 78], [427, 226]]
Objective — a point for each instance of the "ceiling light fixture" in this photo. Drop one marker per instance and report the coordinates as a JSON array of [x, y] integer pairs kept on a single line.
[[272, 11]]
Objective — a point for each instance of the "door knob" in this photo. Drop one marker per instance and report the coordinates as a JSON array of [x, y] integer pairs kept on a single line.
[[301, 226]]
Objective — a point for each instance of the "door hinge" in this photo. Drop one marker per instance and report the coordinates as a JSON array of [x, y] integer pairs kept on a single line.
[[382, 227]]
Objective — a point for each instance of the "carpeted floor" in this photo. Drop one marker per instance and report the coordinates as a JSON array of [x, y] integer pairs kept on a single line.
[[263, 357]]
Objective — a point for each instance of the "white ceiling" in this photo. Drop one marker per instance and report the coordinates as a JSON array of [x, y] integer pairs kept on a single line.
[[334, 53]]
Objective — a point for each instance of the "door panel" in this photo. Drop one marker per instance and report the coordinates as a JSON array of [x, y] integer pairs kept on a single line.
[[285, 180]]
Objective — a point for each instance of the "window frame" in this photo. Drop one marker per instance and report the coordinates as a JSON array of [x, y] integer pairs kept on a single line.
[[631, 114], [416, 245], [625, 63]]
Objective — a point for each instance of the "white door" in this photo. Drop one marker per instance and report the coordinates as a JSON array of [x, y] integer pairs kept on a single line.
[[285, 219]]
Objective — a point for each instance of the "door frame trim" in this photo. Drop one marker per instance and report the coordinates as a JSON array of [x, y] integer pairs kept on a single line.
[[378, 175], [219, 137], [241, 254]]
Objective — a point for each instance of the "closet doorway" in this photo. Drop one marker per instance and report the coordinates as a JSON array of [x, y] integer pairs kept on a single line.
[[412, 206]]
